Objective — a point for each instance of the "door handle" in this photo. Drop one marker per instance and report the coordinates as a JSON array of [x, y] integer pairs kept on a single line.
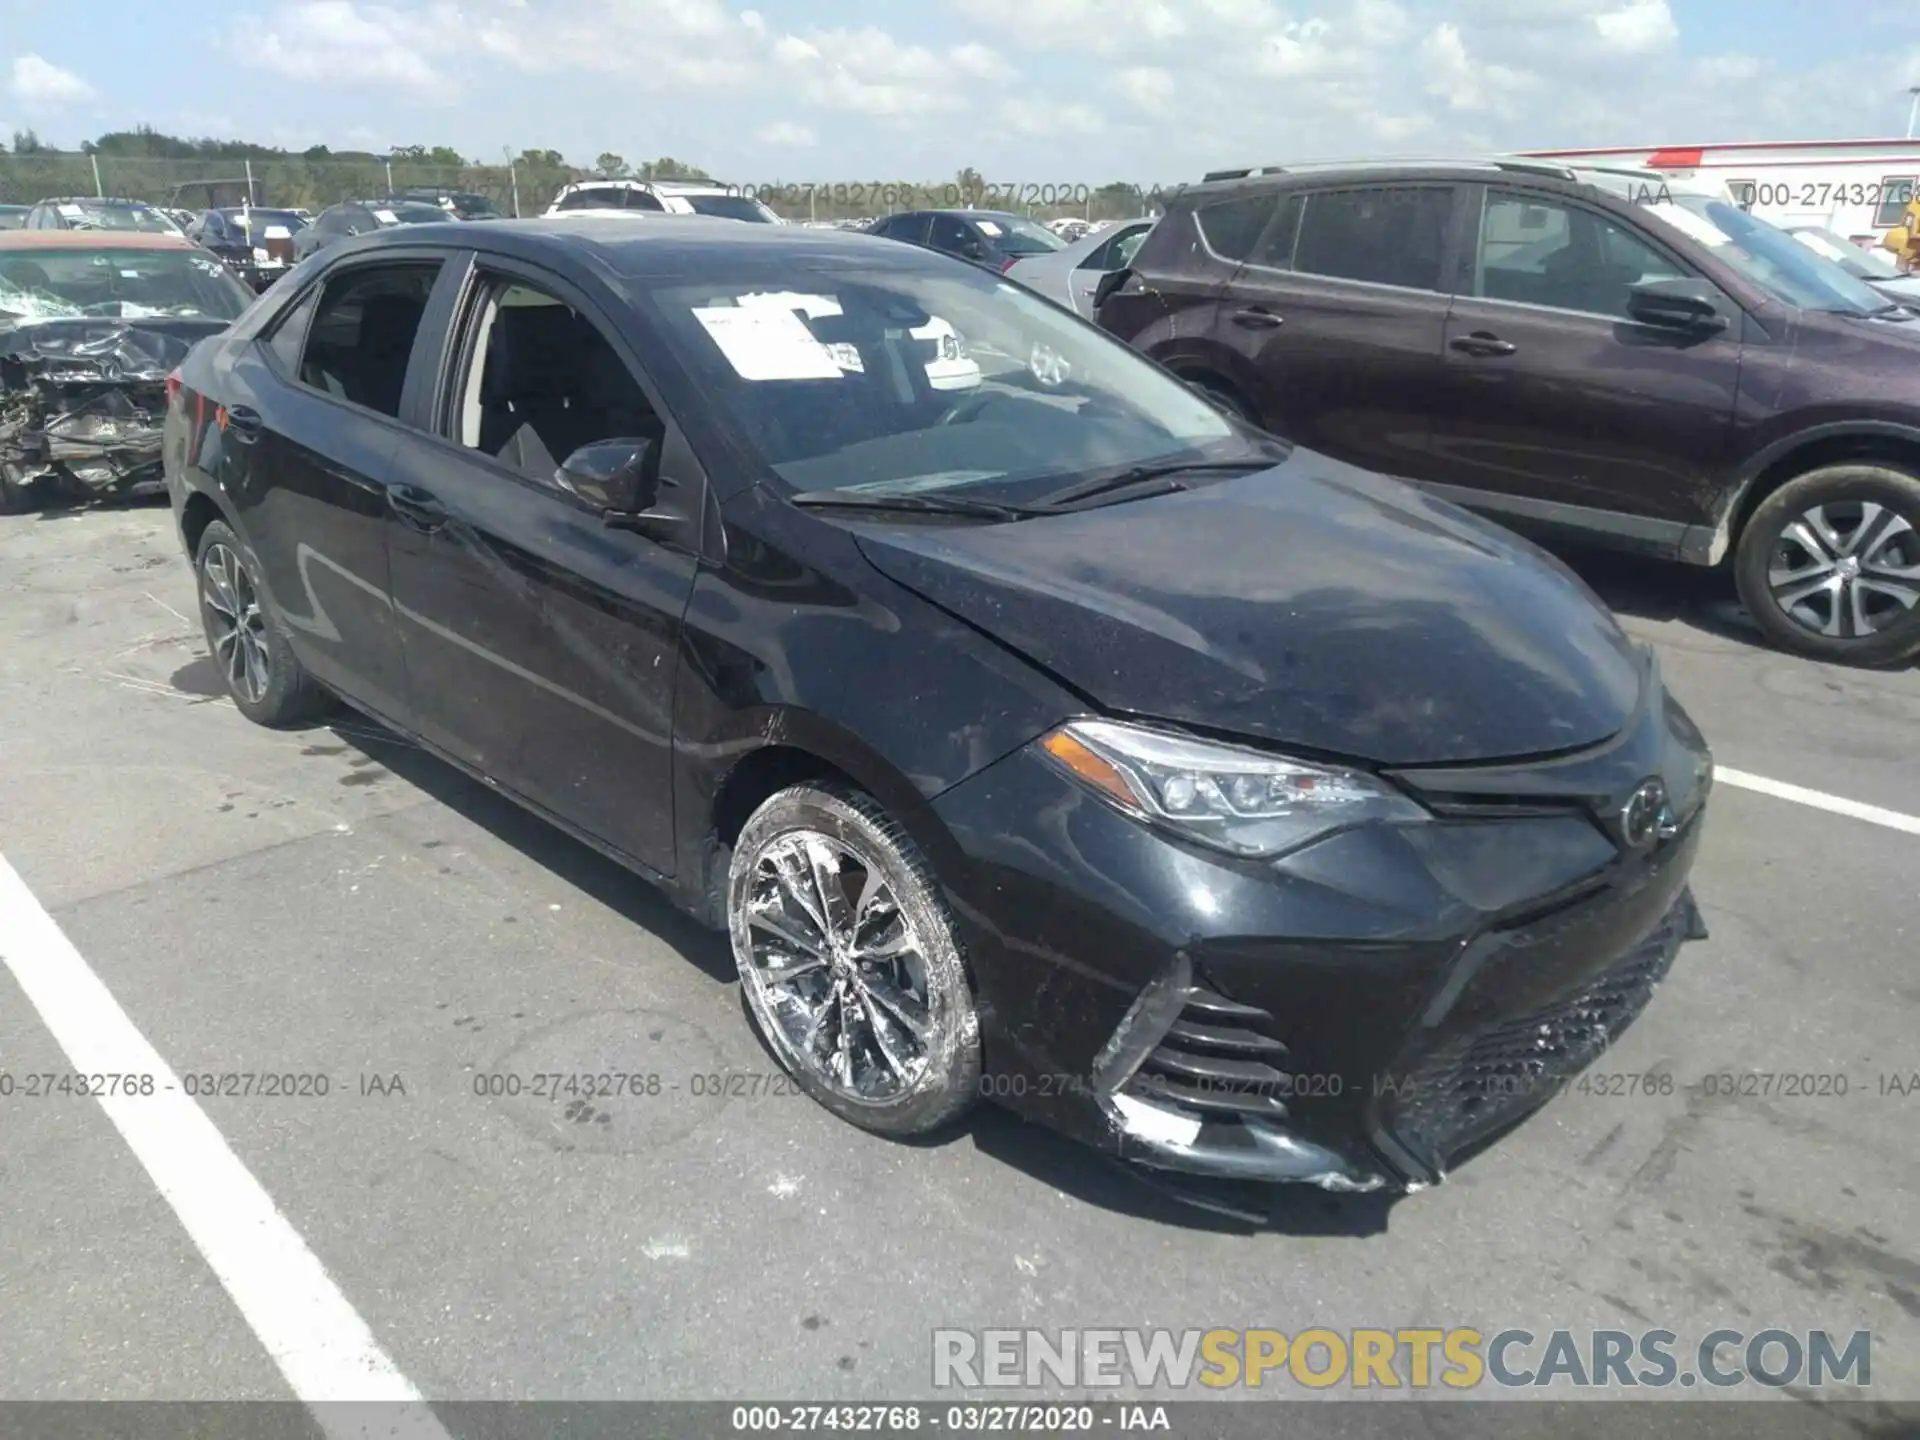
[[417, 509], [244, 422], [1255, 318], [1482, 343]]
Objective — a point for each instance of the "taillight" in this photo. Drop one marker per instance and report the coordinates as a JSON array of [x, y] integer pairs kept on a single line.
[[173, 388], [1008, 263]]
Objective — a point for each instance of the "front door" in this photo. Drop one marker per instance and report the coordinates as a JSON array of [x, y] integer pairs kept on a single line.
[[542, 645], [1558, 405]]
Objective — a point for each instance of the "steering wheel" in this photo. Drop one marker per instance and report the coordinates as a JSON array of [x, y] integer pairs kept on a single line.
[[966, 410]]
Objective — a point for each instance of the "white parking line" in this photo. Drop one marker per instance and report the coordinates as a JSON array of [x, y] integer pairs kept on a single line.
[[1819, 800], [322, 1346]]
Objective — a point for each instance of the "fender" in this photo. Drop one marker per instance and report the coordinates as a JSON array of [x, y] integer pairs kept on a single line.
[[1709, 544]]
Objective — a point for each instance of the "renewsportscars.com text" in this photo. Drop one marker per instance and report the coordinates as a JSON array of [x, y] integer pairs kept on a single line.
[[1459, 1358]]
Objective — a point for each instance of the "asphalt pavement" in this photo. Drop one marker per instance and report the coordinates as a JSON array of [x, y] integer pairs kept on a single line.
[[333, 903]]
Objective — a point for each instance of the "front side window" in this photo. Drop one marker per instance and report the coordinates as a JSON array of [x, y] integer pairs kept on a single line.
[[1539, 252], [543, 381], [362, 334], [1384, 234], [119, 284], [910, 375], [954, 236]]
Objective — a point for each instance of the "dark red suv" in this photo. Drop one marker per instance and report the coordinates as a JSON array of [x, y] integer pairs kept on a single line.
[[1591, 351]]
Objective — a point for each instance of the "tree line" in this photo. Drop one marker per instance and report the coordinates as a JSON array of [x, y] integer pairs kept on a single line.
[[147, 164]]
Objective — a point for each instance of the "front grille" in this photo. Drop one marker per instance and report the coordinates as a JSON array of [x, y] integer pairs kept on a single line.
[[1469, 1087], [1215, 1059]]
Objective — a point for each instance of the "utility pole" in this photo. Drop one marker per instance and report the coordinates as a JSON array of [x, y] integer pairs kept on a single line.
[[98, 192], [513, 175], [389, 176], [1913, 110]]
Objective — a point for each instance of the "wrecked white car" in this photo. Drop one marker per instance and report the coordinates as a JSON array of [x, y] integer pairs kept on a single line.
[[91, 325]]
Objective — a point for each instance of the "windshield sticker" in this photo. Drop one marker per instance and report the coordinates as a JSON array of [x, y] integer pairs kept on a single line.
[[386, 217], [762, 342], [814, 307], [1688, 223], [72, 212], [987, 227], [847, 357]]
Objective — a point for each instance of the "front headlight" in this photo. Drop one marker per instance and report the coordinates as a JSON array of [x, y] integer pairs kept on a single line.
[[1242, 801]]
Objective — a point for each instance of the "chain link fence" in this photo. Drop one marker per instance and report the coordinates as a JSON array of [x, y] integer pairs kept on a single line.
[[297, 183]]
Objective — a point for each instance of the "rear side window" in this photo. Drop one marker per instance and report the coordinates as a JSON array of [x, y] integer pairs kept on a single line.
[[290, 333], [362, 333], [1383, 234], [1231, 228]]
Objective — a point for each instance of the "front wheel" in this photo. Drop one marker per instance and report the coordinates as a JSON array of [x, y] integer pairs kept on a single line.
[[1829, 564], [849, 961]]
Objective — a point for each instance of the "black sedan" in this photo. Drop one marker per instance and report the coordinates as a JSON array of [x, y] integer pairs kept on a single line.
[[362, 217], [1034, 730], [997, 239], [256, 244]]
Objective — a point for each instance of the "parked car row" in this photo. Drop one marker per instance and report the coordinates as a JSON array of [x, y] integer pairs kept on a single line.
[[1033, 727], [1602, 353]]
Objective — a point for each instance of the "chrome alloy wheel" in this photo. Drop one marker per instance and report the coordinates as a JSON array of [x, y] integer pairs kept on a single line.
[[235, 623], [1846, 569], [837, 975]]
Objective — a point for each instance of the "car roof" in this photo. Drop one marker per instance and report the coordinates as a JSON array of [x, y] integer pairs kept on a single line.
[[629, 249], [92, 240]]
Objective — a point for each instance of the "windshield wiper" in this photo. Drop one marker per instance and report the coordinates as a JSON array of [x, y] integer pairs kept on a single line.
[[915, 504], [1139, 475]]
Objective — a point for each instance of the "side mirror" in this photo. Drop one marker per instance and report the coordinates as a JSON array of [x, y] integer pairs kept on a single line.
[[617, 477], [1678, 304]]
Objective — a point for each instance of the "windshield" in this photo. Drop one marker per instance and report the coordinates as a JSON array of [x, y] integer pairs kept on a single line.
[[476, 207], [732, 207], [1016, 236], [1857, 260], [95, 215], [1769, 257], [896, 377], [117, 284], [264, 219], [407, 212]]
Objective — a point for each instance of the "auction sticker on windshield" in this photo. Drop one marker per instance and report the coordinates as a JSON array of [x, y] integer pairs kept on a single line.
[[763, 342]]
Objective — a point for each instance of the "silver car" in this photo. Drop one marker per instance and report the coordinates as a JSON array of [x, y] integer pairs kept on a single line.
[[1068, 276]]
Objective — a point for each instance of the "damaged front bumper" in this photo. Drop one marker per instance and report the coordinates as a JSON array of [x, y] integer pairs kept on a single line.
[[83, 404], [1359, 1015]]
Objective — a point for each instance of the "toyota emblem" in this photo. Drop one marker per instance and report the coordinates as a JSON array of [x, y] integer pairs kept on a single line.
[[1645, 817]]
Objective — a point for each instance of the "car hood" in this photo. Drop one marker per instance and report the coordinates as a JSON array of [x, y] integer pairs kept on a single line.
[[1311, 604]]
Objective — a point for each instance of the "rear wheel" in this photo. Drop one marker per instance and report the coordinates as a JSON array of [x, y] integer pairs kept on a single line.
[[849, 961], [248, 640], [1829, 564]]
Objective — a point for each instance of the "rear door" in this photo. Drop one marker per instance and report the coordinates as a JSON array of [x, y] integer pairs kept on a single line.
[[1167, 303], [1336, 316], [313, 416], [542, 645], [1559, 406]]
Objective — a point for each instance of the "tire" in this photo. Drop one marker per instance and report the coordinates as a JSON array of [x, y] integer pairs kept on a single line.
[[911, 1062], [1863, 520], [255, 657]]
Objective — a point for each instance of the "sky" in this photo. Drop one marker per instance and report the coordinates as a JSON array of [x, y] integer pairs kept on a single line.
[[1023, 91]]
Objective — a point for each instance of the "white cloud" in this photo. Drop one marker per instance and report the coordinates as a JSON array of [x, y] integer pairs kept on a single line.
[[1146, 87], [1729, 69], [1637, 27], [338, 42], [787, 134], [869, 72], [39, 83]]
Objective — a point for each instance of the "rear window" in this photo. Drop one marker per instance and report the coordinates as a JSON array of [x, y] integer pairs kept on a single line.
[[1382, 234], [609, 197], [117, 284], [732, 207]]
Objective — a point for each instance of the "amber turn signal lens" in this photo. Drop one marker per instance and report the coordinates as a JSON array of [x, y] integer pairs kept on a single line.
[[1091, 767]]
